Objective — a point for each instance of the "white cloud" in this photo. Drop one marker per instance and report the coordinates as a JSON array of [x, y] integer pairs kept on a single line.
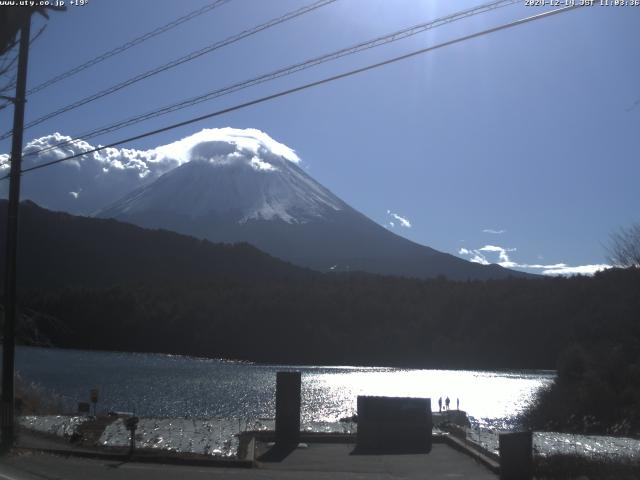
[[544, 267], [580, 270], [495, 232], [261, 165], [479, 258], [402, 221], [106, 176], [502, 253], [478, 255], [226, 141]]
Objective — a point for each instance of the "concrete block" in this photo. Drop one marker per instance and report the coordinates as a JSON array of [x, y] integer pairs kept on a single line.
[[516, 456], [394, 425], [288, 387]]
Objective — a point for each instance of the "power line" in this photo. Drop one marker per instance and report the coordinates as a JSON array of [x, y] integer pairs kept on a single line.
[[127, 45], [306, 86], [392, 37], [9, 64], [179, 61]]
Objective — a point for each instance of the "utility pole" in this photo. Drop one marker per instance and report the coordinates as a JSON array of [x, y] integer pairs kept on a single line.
[[10, 310]]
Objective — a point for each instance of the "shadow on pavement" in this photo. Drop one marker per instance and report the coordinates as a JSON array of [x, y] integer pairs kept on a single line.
[[277, 453]]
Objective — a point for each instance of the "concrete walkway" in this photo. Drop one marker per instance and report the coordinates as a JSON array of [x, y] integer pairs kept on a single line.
[[44, 456], [442, 463], [317, 461]]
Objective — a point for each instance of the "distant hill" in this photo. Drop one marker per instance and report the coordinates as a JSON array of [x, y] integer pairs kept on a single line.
[[58, 249]]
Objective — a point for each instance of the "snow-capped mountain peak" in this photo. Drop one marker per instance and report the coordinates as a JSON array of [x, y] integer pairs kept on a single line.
[[224, 178], [231, 185]]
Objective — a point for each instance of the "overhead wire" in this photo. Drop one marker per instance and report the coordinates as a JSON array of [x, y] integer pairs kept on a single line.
[[306, 86], [174, 63], [126, 46], [8, 65], [291, 69]]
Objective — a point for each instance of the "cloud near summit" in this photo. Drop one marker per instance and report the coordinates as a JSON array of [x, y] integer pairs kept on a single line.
[[92, 181], [480, 255], [402, 221]]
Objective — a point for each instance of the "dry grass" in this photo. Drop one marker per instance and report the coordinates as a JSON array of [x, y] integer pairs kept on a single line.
[[31, 399]]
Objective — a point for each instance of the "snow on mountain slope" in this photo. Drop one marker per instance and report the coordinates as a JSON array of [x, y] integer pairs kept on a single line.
[[222, 178]]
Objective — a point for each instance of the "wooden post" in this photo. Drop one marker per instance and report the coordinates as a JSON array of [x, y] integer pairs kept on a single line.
[[132, 424], [11, 253]]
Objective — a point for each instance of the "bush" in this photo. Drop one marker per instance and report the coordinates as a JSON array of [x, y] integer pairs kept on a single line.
[[597, 391], [34, 400]]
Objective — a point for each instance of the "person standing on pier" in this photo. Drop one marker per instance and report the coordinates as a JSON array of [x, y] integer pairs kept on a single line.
[[447, 402], [440, 404], [458, 404]]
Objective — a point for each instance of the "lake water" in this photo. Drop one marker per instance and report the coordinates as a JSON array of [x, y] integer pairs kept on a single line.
[[199, 405], [156, 385]]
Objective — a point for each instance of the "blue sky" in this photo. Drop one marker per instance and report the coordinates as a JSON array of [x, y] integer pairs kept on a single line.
[[531, 132]]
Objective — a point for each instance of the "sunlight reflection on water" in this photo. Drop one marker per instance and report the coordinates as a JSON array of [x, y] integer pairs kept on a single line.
[[492, 399]]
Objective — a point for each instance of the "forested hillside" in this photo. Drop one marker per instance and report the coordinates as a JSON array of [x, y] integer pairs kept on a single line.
[[102, 284], [347, 319]]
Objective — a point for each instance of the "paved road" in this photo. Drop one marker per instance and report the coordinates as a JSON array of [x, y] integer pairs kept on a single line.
[[318, 462]]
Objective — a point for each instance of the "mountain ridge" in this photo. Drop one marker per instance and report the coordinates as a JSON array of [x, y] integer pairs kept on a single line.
[[57, 248]]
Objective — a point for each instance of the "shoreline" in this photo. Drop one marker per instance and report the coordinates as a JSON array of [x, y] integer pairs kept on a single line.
[[259, 363]]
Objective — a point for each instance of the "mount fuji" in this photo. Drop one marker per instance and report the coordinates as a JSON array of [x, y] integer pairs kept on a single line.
[[248, 189]]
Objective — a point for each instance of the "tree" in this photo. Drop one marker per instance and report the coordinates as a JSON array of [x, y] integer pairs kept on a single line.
[[624, 249]]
